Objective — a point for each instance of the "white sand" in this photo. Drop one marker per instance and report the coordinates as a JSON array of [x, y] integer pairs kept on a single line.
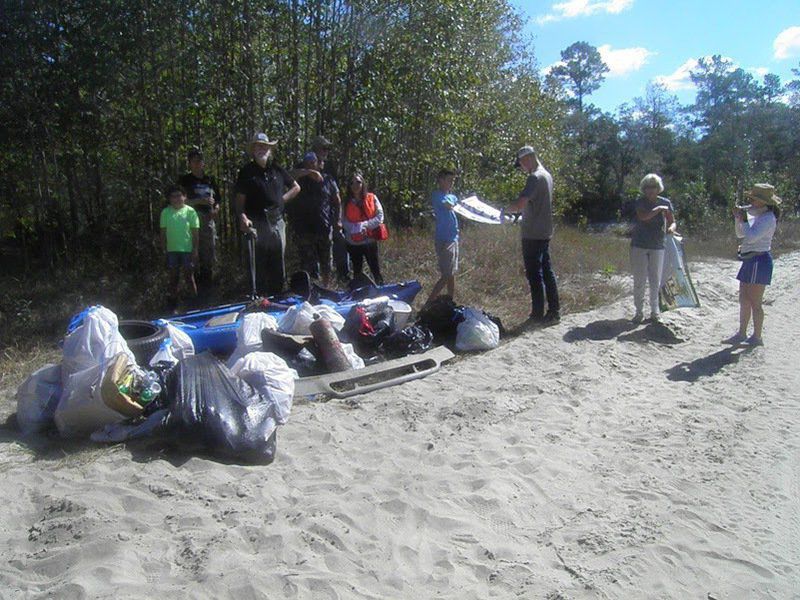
[[587, 460]]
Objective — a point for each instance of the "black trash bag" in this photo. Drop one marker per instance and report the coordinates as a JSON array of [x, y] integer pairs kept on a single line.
[[441, 316], [224, 413], [414, 339]]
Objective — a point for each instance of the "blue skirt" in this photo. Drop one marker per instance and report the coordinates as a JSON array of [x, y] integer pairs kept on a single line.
[[756, 269]]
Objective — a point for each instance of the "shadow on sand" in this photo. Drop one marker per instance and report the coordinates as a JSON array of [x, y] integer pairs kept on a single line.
[[49, 446], [653, 332], [707, 365], [605, 329]]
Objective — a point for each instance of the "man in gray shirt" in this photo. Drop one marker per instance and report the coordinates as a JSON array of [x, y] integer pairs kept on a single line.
[[536, 204]]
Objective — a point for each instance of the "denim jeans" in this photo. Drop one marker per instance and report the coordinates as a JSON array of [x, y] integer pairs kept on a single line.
[[542, 280]]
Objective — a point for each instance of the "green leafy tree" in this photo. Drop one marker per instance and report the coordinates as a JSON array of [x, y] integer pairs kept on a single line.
[[582, 70]]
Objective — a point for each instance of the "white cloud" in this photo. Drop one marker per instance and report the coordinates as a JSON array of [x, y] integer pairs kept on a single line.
[[571, 9], [681, 79], [623, 60], [546, 70], [787, 44], [760, 71]]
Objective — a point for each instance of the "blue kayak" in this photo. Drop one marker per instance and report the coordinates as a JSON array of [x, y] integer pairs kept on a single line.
[[215, 328]]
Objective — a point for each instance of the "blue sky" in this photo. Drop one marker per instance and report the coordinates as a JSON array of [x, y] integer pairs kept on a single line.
[[647, 40]]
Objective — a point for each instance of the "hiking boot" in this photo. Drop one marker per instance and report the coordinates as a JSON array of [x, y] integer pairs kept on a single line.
[[655, 318], [637, 318]]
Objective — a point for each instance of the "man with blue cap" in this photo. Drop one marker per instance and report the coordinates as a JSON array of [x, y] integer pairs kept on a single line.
[[311, 217]]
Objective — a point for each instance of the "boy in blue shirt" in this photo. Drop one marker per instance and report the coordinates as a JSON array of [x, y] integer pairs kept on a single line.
[[446, 237]]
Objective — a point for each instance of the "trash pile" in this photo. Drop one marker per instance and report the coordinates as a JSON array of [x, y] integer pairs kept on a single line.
[[100, 390], [120, 381]]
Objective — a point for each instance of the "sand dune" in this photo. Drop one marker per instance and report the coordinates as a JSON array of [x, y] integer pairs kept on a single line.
[[593, 459]]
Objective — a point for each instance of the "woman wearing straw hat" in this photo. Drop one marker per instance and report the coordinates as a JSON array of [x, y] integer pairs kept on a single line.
[[755, 225]]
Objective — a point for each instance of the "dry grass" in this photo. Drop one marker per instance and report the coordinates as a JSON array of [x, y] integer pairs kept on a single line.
[[719, 241], [492, 276]]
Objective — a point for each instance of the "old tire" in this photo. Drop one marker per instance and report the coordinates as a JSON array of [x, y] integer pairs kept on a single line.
[[144, 339]]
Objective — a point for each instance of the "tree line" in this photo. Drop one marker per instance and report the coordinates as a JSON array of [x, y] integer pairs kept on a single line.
[[100, 101]]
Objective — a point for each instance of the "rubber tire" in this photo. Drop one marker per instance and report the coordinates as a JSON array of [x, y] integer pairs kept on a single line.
[[144, 338]]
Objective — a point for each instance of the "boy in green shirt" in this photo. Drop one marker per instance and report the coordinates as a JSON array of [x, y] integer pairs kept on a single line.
[[180, 228]]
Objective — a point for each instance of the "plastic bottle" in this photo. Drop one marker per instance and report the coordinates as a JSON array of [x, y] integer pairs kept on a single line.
[[329, 345], [150, 388]]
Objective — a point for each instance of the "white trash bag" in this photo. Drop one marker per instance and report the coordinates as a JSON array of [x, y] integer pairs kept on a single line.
[[88, 351], [81, 409], [37, 399], [182, 345], [476, 332], [94, 342], [298, 318], [356, 362], [272, 377], [248, 336]]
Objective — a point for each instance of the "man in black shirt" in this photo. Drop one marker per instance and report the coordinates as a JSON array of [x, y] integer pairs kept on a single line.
[[262, 189], [203, 195], [321, 146], [311, 215]]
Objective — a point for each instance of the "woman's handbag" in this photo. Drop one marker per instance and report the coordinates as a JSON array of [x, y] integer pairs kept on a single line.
[[380, 233]]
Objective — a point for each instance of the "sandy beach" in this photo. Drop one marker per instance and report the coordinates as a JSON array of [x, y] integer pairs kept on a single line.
[[592, 459]]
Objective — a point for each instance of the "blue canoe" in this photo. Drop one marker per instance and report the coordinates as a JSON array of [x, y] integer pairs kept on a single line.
[[201, 325]]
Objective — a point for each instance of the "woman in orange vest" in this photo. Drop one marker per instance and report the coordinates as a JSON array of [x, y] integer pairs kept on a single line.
[[362, 221]]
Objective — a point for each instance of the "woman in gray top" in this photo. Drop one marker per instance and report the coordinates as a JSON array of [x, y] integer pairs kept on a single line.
[[653, 220]]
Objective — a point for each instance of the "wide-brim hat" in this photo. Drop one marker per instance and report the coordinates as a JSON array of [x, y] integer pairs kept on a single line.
[[764, 192], [523, 152], [261, 138]]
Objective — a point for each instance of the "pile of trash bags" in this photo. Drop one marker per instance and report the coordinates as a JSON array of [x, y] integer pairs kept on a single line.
[[233, 407], [462, 328], [374, 330], [99, 390]]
